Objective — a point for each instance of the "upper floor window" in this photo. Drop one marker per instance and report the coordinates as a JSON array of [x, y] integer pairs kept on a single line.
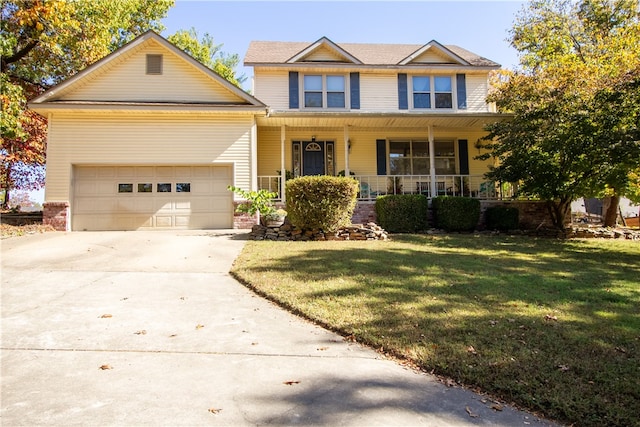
[[432, 91], [324, 91]]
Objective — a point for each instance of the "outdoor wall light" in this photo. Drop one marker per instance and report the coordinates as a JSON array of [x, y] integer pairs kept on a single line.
[[313, 138]]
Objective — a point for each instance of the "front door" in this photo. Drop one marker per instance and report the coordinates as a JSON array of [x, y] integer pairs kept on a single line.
[[313, 158]]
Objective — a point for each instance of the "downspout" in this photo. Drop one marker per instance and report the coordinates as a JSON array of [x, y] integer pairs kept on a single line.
[[432, 163], [283, 172]]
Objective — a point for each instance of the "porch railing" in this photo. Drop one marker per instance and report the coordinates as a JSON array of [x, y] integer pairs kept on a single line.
[[372, 186]]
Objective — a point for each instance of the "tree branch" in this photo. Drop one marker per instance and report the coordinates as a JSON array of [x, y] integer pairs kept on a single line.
[[18, 55]]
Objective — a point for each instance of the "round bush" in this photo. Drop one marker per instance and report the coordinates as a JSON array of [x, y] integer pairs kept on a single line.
[[323, 202], [456, 213], [402, 213]]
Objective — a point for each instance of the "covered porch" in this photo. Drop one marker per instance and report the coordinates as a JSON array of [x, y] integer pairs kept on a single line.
[[429, 154]]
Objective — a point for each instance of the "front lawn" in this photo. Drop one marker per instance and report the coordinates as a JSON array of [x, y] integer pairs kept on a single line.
[[553, 326]]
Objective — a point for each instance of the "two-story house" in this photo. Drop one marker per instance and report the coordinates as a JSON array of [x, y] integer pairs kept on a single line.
[[400, 118], [148, 137]]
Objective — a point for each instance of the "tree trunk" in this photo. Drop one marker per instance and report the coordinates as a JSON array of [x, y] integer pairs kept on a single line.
[[612, 211], [558, 210], [5, 199]]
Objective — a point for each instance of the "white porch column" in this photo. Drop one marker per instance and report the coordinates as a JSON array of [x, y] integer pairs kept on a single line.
[[432, 163], [253, 183], [283, 172], [346, 151]]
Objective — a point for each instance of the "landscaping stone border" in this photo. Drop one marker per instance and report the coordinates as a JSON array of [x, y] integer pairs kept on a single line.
[[370, 231]]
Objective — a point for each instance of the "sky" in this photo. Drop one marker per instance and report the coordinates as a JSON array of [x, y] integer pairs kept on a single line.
[[479, 26]]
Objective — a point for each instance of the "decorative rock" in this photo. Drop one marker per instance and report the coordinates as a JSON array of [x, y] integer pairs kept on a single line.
[[371, 231]]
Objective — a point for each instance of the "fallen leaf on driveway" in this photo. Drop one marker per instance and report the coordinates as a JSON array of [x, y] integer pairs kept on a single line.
[[214, 410], [323, 348], [198, 326], [471, 414], [291, 382], [141, 332], [105, 367], [105, 316], [497, 407]]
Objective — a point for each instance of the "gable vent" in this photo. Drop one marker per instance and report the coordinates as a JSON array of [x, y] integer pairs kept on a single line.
[[154, 64]]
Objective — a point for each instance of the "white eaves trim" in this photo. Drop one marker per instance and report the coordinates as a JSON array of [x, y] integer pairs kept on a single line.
[[437, 46], [138, 41], [324, 41]]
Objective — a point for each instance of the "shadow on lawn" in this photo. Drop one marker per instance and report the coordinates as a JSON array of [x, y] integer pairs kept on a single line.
[[552, 325]]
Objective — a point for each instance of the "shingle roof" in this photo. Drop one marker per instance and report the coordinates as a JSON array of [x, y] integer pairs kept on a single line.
[[275, 52]]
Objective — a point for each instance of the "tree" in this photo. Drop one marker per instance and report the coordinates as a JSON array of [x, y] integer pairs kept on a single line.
[[574, 125], [207, 52], [44, 42]]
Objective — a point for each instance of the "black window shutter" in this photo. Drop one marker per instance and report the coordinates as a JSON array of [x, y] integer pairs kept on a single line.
[[463, 154], [381, 156], [403, 101], [294, 91], [462, 91], [355, 90]]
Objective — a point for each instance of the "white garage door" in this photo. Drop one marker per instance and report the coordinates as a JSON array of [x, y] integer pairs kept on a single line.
[[151, 197]]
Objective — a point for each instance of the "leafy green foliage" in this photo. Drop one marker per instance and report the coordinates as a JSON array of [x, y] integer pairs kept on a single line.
[[321, 202], [207, 52], [402, 213], [260, 201], [44, 43], [574, 103], [502, 218], [456, 213]]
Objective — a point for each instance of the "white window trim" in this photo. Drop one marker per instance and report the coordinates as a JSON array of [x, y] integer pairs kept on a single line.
[[347, 92], [432, 92], [456, 156]]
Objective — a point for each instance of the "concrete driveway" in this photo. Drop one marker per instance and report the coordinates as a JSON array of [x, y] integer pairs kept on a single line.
[[148, 328]]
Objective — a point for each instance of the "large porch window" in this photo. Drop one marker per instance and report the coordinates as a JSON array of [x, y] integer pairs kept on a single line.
[[411, 157], [445, 157]]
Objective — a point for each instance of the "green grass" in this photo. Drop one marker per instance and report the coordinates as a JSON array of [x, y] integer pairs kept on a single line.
[[552, 326]]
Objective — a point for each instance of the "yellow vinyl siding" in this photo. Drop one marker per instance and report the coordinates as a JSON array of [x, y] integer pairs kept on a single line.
[[477, 90], [378, 90], [433, 57], [138, 139], [324, 54], [128, 81], [272, 88], [362, 158]]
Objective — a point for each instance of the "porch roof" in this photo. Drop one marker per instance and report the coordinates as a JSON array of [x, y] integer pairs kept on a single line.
[[378, 120]]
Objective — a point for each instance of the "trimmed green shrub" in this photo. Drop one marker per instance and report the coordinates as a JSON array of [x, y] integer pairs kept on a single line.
[[323, 202], [456, 213], [402, 213], [502, 218]]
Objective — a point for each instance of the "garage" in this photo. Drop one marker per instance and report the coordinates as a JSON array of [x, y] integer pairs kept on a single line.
[[151, 197]]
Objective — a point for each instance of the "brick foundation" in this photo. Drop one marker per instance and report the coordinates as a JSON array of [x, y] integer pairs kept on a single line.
[[56, 214], [243, 221], [364, 213], [533, 214]]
